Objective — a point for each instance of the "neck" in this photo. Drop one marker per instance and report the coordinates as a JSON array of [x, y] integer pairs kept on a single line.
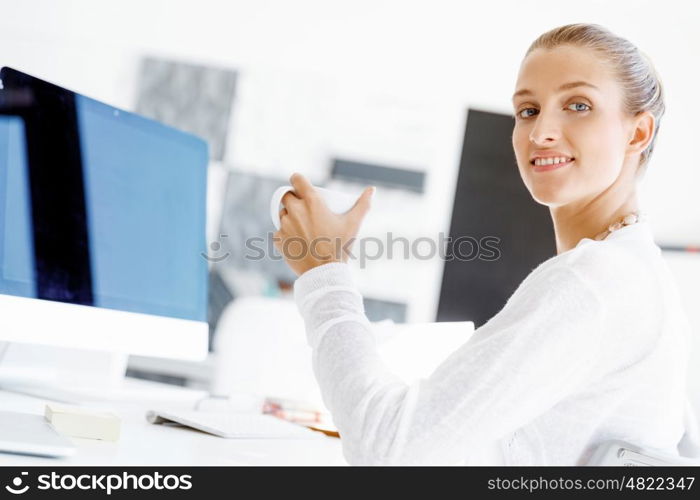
[[588, 218]]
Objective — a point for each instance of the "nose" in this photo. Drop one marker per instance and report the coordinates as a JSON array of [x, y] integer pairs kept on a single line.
[[545, 130]]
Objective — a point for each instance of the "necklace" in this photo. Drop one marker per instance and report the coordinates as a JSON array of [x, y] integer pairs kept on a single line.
[[627, 220]]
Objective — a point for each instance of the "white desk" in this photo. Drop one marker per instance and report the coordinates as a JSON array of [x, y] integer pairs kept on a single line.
[[142, 443]]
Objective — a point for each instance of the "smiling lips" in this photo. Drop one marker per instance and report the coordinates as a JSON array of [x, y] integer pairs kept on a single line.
[[550, 163]]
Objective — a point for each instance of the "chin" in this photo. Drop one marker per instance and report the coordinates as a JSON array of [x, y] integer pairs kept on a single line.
[[549, 199], [549, 188], [549, 194]]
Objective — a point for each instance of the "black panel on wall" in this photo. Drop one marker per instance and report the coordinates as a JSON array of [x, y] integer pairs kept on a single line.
[[491, 200]]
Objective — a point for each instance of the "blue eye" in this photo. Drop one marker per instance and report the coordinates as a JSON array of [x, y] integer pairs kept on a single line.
[[582, 104], [521, 111], [587, 108]]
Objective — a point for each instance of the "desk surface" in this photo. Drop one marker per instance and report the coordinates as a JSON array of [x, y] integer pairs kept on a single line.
[[142, 443]]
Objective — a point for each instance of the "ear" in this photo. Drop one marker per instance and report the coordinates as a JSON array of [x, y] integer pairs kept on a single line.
[[642, 132]]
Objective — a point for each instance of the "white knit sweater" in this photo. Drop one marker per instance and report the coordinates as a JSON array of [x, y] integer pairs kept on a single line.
[[592, 346]]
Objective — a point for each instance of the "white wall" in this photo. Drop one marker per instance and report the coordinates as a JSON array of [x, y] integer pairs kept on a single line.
[[686, 269], [385, 81]]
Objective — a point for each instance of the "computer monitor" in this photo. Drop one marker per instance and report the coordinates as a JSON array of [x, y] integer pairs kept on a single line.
[[102, 226]]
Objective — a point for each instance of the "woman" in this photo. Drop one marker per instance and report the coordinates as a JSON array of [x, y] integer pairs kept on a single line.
[[593, 344]]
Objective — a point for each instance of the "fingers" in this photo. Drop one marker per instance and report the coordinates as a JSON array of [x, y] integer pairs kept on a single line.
[[277, 240], [292, 207], [284, 222], [362, 205], [289, 200], [302, 187]]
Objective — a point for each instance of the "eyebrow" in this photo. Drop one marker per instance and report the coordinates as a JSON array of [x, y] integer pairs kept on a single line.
[[566, 86]]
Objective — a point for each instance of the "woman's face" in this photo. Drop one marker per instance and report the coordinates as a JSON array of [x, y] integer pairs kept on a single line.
[[583, 123]]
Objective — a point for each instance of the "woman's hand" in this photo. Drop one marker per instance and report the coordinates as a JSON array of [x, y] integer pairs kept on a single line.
[[310, 234]]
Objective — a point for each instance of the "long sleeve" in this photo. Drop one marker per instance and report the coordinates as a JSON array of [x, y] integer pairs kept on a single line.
[[541, 347]]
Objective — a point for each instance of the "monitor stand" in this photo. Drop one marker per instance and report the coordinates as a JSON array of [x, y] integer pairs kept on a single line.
[[71, 376]]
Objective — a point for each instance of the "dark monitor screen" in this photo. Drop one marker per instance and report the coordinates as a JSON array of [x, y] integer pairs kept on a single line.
[[99, 206], [491, 201]]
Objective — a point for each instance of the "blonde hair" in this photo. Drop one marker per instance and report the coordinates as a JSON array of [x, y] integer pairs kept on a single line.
[[641, 85]]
